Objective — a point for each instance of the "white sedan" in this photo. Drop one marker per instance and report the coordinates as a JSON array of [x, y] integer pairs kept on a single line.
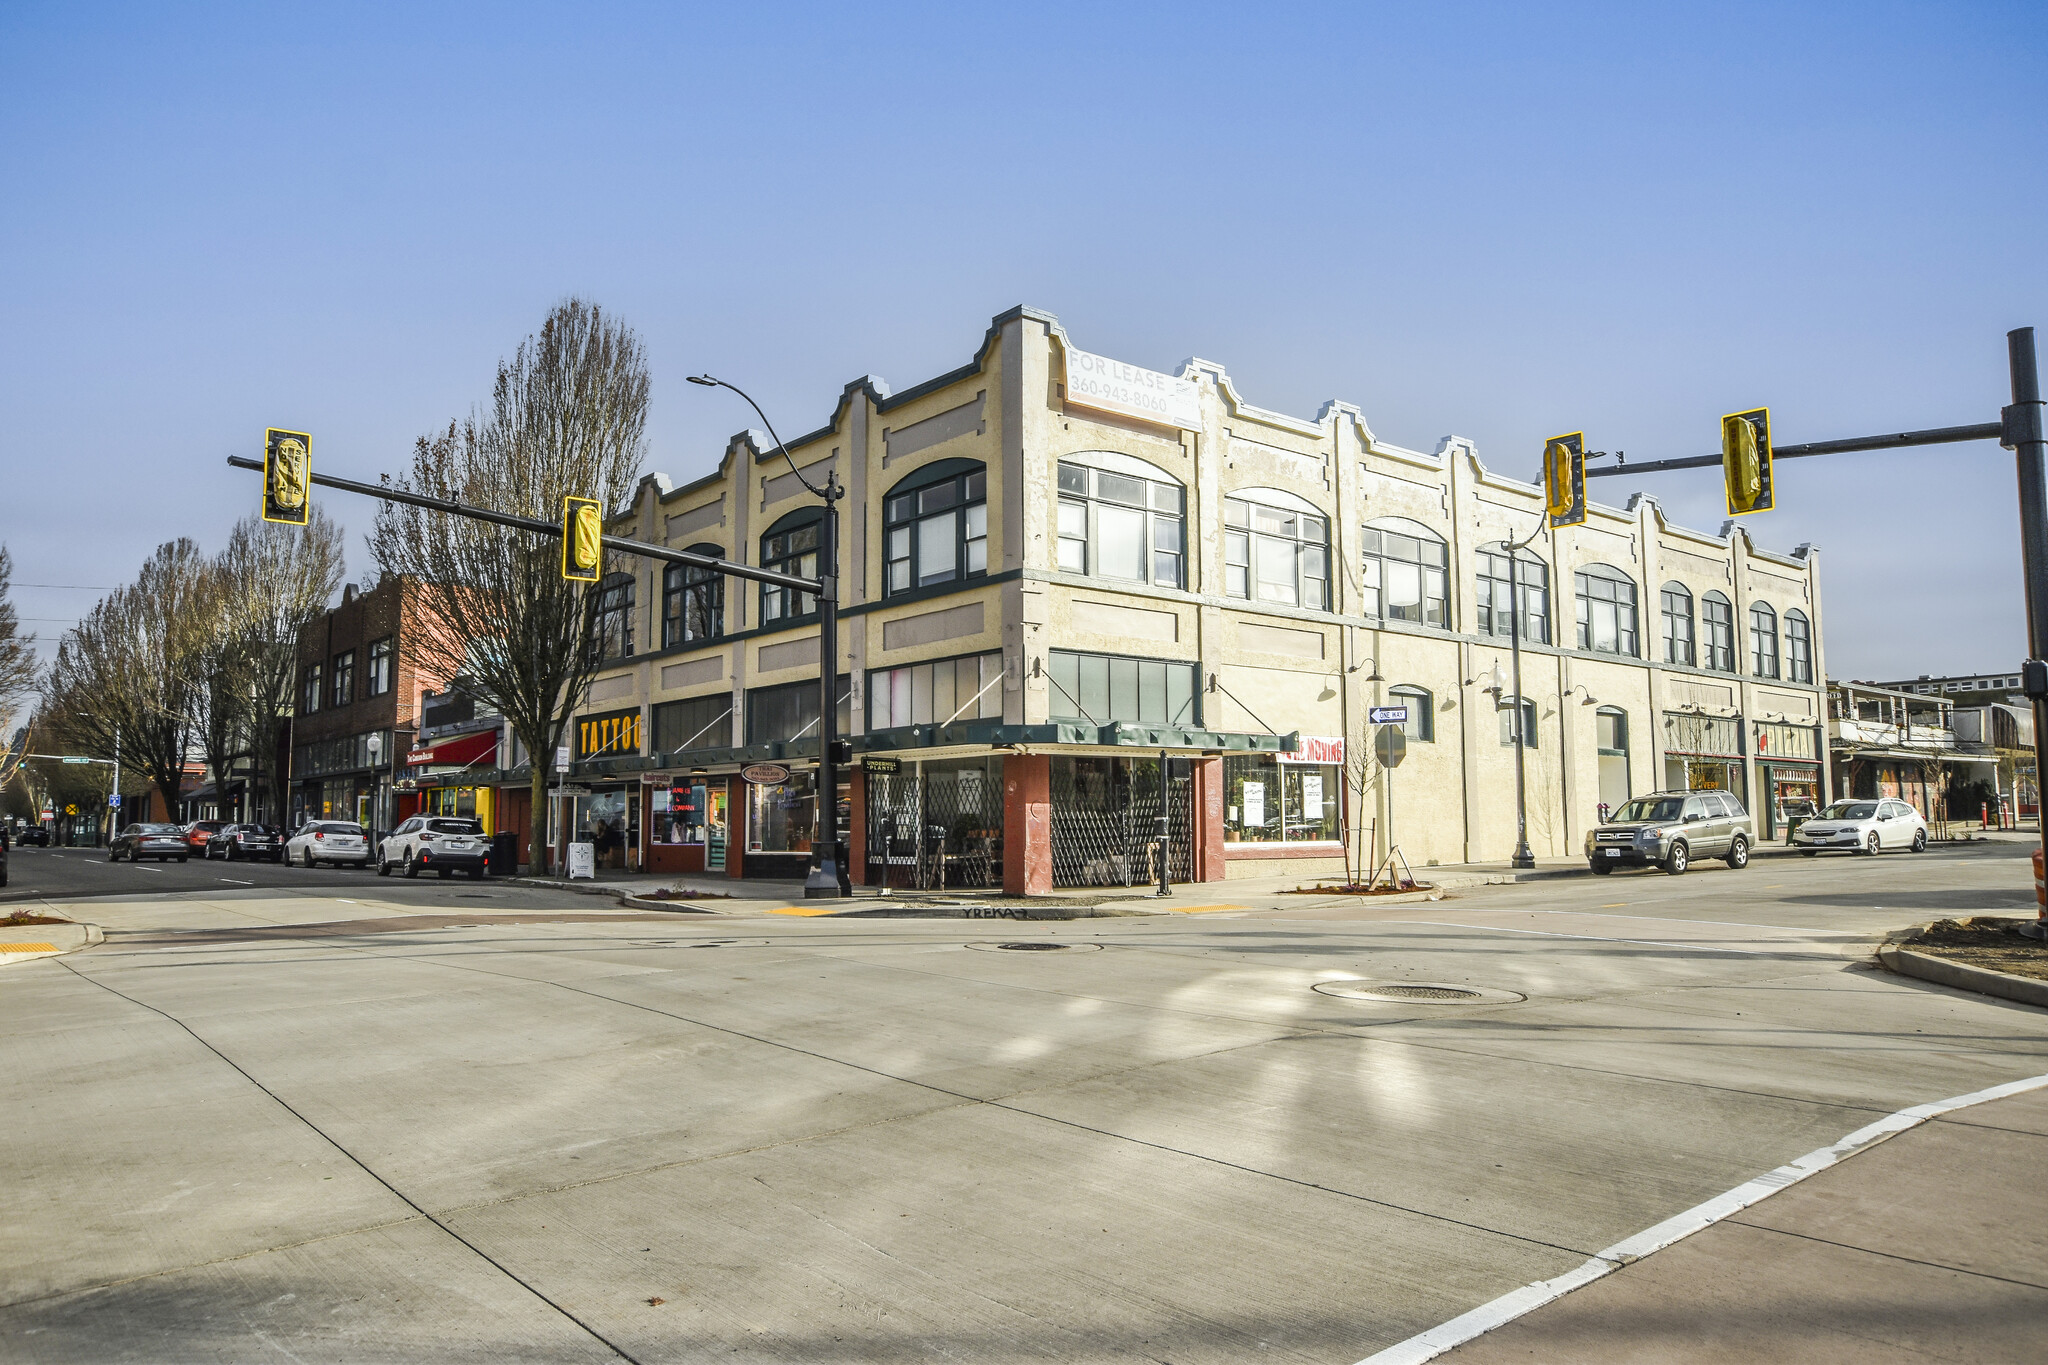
[[1863, 827], [328, 841]]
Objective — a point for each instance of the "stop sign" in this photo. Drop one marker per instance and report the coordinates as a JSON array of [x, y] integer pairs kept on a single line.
[[1391, 746]]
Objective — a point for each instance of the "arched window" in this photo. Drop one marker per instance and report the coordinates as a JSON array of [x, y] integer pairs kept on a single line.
[[790, 546], [1607, 610], [1798, 646], [1276, 548], [1420, 727], [1763, 640], [1717, 633], [1405, 572], [1121, 517], [1677, 624], [692, 601], [1491, 603], [611, 620], [935, 524]]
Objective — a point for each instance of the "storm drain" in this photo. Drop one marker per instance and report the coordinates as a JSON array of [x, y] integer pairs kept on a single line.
[[1030, 947], [1425, 992]]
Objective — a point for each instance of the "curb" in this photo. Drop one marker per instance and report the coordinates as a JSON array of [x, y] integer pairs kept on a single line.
[[1982, 980], [671, 907], [93, 936]]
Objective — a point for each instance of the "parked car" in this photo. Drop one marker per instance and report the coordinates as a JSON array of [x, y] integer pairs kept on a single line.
[[3, 855], [245, 841], [160, 842], [1866, 826], [328, 841], [434, 843], [1672, 830], [200, 831], [34, 835]]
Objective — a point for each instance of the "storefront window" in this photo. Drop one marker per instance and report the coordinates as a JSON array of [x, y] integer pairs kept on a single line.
[[1269, 802], [689, 814], [936, 693], [782, 816]]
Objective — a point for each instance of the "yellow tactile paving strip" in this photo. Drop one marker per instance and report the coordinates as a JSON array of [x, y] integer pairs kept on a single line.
[[28, 947]]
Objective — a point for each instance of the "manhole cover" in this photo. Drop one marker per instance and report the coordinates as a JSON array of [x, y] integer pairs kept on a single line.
[[1423, 992], [1042, 945]]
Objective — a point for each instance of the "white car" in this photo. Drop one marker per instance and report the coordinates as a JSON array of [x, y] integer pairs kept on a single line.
[[336, 842], [435, 843], [1863, 826]]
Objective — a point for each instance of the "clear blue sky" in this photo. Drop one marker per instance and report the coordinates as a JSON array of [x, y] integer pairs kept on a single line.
[[1499, 221]]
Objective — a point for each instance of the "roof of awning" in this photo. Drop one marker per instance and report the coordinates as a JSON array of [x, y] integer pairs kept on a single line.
[[459, 752]]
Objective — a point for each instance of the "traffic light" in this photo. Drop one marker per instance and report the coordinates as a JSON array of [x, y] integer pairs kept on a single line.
[[1564, 479], [287, 476], [1746, 461], [582, 540]]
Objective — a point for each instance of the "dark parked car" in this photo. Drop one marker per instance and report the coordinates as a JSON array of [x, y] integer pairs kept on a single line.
[[1672, 830], [160, 842], [3, 855], [246, 841], [34, 836], [200, 831]]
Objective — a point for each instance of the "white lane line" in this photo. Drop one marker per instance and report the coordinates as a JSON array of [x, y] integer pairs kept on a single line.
[[140, 868], [1505, 1309], [1592, 938], [234, 881]]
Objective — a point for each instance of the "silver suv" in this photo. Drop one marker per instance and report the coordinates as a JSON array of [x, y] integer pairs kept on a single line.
[[1672, 830], [435, 843]]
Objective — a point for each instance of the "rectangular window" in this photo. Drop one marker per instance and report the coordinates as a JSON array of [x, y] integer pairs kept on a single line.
[[938, 693], [1269, 802], [1100, 688], [692, 605], [1276, 554], [696, 723], [1799, 650], [345, 677], [309, 698], [1507, 714], [378, 681], [791, 711]]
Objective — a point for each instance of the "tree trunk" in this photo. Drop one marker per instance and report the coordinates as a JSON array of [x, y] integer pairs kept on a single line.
[[537, 821]]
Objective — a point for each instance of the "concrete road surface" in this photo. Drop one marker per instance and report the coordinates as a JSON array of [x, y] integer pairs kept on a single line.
[[331, 1117]]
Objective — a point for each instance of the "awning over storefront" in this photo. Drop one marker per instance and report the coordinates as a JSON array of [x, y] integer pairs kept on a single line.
[[1842, 750], [459, 752], [1065, 736]]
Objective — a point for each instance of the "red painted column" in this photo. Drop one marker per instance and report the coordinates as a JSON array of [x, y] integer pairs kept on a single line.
[[857, 827], [1209, 866], [1027, 825]]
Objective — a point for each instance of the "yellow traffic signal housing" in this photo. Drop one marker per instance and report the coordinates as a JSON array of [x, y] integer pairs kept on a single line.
[[287, 476], [582, 540], [1564, 479], [1746, 461]]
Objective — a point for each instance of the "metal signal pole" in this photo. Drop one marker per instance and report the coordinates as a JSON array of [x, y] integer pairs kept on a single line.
[[2024, 431]]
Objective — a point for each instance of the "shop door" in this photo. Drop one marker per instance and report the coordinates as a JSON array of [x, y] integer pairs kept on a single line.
[[1104, 821]]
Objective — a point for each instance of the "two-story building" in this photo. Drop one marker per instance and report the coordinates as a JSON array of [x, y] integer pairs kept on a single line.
[[1059, 571], [357, 706]]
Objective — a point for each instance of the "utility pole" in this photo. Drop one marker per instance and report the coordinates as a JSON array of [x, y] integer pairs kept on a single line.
[[2024, 432], [1523, 859]]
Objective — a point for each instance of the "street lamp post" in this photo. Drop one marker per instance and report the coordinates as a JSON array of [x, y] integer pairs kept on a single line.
[[1523, 858], [828, 876]]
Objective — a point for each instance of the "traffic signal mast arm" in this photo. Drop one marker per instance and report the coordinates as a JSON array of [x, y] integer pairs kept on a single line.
[[1982, 431], [459, 508]]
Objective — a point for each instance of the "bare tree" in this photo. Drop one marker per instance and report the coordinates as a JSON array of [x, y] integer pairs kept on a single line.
[[17, 652], [274, 578], [567, 416], [126, 669]]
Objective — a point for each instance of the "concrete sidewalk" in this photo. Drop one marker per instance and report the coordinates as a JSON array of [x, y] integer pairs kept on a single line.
[[1930, 1246]]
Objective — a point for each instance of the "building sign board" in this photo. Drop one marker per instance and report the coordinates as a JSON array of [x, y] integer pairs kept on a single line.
[[612, 735], [1316, 749], [765, 774], [1095, 381]]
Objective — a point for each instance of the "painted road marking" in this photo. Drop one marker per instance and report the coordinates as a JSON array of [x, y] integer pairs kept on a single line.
[[234, 882], [1505, 1309], [28, 947], [1591, 938], [805, 910]]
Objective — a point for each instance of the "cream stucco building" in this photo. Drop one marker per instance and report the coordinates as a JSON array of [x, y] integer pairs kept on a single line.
[[1055, 566]]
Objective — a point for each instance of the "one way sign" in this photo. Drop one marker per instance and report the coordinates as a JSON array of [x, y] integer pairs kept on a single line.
[[1388, 715]]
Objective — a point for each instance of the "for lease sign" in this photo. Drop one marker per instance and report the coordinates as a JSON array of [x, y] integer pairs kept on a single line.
[[1096, 381]]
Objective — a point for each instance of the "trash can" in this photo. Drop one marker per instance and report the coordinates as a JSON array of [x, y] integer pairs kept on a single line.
[[504, 856]]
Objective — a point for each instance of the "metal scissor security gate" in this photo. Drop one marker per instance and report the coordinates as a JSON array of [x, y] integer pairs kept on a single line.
[[1105, 815], [937, 829]]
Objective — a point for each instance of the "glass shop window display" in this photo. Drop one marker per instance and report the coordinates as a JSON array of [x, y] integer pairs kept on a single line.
[[1269, 802]]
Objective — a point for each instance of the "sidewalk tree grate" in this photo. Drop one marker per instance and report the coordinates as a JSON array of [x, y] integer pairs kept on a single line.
[[1424, 992]]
